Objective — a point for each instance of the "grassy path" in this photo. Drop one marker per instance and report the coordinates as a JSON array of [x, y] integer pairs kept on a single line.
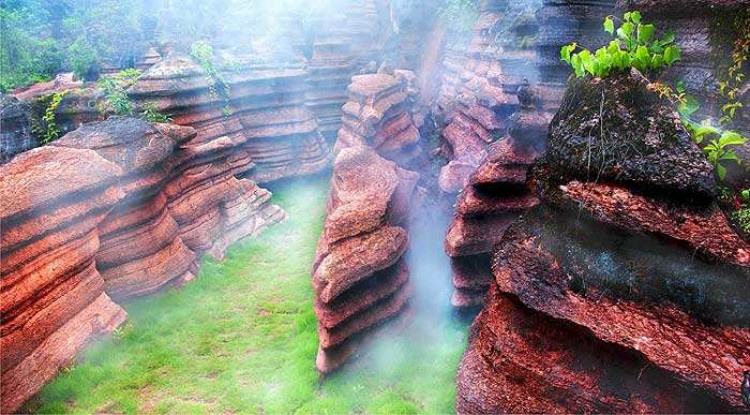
[[242, 338]]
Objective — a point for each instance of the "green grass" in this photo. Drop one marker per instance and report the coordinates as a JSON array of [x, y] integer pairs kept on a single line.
[[242, 338]]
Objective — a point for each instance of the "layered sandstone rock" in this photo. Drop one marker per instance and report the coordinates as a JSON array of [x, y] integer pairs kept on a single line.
[[494, 195], [52, 295], [378, 115], [359, 275], [261, 109], [499, 60], [628, 254], [117, 208]]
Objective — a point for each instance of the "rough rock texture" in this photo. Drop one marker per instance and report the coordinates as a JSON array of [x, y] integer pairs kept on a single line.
[[477, 98], [620, 130], [117, 208], [359, 276], [52, 296], [15, 136], [378, 115], [493, 197], [263, 113], [611, 296], [521, 361]]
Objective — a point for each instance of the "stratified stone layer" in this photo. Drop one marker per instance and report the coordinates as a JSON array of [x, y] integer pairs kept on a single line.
[[116, 209]]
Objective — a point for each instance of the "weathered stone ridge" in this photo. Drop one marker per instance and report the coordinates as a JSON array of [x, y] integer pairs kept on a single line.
[[115, 209], [640, 265], [359, 275]]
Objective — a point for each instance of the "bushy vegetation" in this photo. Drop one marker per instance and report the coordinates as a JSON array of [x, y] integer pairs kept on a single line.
[[117, 102], [43, 37], [47, 129], [635, 45], [242, 338]]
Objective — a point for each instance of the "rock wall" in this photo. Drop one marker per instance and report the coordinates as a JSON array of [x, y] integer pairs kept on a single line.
[[628, 253], [114, 209], [495, 194], [360, 275], [264, 112]]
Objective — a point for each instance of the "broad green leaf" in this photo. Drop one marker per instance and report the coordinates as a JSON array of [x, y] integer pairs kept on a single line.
[[565, 53], [627, 16], [721, 171], [657, 61], [609, 25], [729, 156], [646, 33], [667, 39], [732, 138], [672, 54], [614, 47], [625, 30], [635, 17], [745, 194]]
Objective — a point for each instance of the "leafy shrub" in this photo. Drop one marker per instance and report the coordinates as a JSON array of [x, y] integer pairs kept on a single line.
[[116, 99], [47, 129], [114, 87], [84, 61], [718, 148], [634, 46], [27, 54], [150, 113]]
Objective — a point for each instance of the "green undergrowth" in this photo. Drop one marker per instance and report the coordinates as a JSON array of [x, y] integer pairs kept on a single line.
[[242, 338]]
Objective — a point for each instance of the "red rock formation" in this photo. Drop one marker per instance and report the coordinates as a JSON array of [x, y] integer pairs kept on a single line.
[[493, 69], [377, 115], [617, 274], [264, 113], [52, 296], [116, 208], [359, 276], [494, 196]]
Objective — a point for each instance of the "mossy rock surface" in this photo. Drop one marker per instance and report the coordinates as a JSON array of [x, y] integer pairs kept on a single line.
[[619, 130]]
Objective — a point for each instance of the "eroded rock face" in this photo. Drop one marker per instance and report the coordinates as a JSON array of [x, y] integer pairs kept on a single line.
[[359, 275], [378, 115], [637, 262], [53, 298], [116, 209], [262, 111], [494, 196], [619, 130]]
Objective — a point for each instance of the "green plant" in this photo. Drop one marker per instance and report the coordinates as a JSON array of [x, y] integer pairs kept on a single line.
[[719, 145], [150, 113], [742, 217], [47, 129], [634, 46], [116, 100], [732, 79], [218, 87]]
